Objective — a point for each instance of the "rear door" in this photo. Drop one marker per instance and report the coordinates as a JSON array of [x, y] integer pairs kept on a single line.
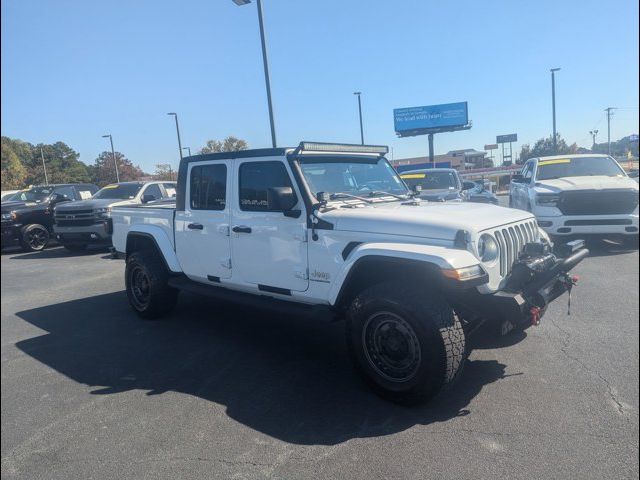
[[269, 248], [202, 229]]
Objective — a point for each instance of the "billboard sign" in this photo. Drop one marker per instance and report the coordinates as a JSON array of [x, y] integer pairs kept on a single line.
[[491, 146], [512, 137], [430, 117]]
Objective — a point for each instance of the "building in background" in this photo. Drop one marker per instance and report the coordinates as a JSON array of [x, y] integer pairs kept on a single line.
[[468, 158]]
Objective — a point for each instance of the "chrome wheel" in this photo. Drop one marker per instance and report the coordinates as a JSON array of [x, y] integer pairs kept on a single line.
[[391, 346]]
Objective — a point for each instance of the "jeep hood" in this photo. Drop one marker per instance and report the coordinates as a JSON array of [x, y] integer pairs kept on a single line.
[[440, 220], [599, 182]]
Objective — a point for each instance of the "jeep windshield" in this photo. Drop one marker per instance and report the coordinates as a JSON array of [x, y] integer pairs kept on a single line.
[[123, 191], [578, 167], [431, 180], [349, 178]]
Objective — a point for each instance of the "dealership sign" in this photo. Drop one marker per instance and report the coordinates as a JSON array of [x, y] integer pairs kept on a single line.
[[512, 137], [491, 146], [430, 117]]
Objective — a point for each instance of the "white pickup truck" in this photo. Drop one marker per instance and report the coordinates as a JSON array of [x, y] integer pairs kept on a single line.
[[578, 195], [333, 227]]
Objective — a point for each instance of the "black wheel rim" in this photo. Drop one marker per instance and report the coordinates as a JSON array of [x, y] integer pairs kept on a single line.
[[37, 238], [391, 346], [139, 287]]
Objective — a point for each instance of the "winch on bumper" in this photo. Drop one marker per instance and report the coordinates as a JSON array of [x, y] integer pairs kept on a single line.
[[538, 277]]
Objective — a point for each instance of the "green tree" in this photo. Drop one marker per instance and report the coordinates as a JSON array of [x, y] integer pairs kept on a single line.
[[13, 171], [544, 148], [164, 172], [104, 172], [62, 162], [229, 144]]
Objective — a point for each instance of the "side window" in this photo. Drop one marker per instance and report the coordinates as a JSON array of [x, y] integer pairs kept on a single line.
[[208, 187], [153, 190], [528, 171], [255, 180], [68, 192], [170, 188]]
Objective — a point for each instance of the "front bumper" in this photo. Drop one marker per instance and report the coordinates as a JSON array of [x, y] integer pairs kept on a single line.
[[626, 224], [10, 234], [521, 305], [98, 234]]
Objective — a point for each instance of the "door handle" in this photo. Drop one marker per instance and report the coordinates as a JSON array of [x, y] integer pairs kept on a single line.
[[241, 229], [195, 226]]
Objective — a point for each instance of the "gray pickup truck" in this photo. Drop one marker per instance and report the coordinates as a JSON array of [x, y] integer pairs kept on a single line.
[[79, 224]]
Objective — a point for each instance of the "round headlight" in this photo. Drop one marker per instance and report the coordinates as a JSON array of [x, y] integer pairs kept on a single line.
[[488, 249]]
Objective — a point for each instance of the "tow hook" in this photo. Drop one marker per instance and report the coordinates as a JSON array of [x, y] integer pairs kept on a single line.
[[535, 316], [569, 281]]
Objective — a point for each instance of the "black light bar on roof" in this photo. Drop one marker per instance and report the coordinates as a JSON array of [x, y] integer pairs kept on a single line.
[[342, 147]]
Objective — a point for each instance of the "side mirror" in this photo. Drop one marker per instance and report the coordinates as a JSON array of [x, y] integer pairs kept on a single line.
[[281, 199], [468, 185], [147, 197]]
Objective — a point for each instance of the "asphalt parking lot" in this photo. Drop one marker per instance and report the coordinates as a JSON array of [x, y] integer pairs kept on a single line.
[[226, 391]]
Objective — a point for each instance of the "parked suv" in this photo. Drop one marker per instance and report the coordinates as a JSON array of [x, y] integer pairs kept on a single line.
[[578, 194], [445, 185], [78, 224], [27, 220], [333, 228]]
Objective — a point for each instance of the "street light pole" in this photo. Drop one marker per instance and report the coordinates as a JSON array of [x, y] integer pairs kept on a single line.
[[44, 166], [593, 134], [360, 114], [553, 108], [265, 63], [175, 115], [113, 155], [609, 111]]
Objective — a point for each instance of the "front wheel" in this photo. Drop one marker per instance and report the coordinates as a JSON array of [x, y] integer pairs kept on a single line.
[[146, 279], [406, 343], [34, 238]]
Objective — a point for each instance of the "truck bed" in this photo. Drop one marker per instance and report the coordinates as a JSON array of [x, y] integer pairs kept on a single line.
[[140, 217]]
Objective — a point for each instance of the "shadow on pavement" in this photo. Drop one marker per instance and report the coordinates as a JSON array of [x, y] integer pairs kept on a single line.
[[56, 252], [287, 377], [603, 247]]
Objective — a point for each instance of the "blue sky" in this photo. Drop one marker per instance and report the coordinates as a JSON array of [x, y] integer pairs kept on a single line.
[[73, 70]]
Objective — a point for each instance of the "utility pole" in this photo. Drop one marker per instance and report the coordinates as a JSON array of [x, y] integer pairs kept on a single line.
[[593, 134], [360, 113], [553, 108], [113, 155], [44, 166], [609, 111], [175, 115]]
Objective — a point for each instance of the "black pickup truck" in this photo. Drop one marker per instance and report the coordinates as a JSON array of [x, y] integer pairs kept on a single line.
[[28, 219]]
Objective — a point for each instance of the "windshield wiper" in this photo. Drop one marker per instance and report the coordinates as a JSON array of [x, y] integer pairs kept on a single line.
[[394, 195], [337, 195]]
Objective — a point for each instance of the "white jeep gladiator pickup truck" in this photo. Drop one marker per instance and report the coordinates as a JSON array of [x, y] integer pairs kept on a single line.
[[333, 227], [578, 195]]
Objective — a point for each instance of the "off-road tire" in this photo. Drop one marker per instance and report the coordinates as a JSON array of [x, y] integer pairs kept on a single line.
[[146, 280], [438, 331], [75, 247], [28, 240]]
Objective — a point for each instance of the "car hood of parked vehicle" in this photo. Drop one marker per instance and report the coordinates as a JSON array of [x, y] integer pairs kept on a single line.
[[92, 203], [440, 220], [596, 182], [11, 206]]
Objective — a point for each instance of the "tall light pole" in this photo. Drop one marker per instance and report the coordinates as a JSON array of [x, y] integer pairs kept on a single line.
[[553, 107], [44, 166], [175, 115], [113, 155], [360, 114], [265, 63], [609, 111], [594, 134], [188, 149]]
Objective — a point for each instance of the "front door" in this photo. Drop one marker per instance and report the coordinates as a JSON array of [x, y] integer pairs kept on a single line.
[[269, 249], [202, 229]]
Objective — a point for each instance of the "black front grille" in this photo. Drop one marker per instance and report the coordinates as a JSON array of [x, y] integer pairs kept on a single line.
[[598, 202], [598, 221], [74, 212]]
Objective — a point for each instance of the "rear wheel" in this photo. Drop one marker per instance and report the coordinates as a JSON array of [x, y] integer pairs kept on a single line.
[[406, 343], [146, 279], [34, 238]]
